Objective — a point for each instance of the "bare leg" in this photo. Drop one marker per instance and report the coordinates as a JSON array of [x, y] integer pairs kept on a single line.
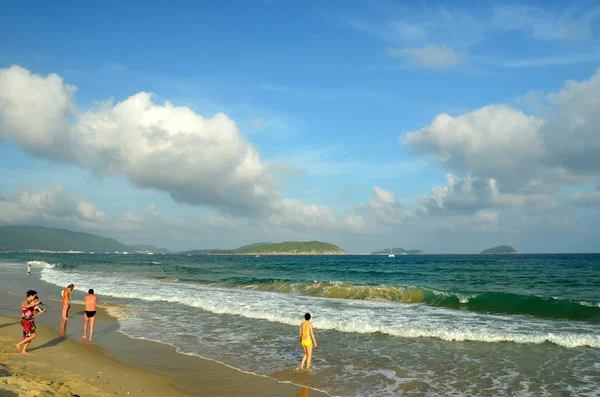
[[309, 353], [62, 330], [92, 321], [25, 343], [85, 325], [65, 311], [301, 366]]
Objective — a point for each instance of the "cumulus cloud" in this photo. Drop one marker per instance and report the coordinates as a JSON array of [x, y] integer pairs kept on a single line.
[[519, 151], [34, 111], [572, 136], [508, 170], [470, 195], [492, 142], [430, 56], [386, 209], [355, 223], [52, 206], [196, 160]]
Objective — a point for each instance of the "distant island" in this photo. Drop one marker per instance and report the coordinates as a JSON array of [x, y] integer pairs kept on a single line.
[[37, 238], [398, 251], [294, 248], [222, 251], [501, 249]]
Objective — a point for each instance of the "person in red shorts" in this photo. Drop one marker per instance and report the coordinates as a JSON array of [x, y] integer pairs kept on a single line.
[[27, 321]]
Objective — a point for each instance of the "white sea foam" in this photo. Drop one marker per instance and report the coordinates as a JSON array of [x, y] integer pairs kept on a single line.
[[396, 319], [39, 263], [589, 304]]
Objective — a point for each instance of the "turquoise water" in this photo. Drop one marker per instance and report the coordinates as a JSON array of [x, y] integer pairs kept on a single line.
[[412, 325]]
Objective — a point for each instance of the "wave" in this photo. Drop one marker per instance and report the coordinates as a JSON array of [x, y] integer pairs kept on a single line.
[[343, 315], [39, 263], [490, 302], [120, 312], [476, 301]]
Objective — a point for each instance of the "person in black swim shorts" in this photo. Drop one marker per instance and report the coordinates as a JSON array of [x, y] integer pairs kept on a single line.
[[91, 301]]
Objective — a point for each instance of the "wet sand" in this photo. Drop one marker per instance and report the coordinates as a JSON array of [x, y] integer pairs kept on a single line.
[[117, 365], [57, 366]]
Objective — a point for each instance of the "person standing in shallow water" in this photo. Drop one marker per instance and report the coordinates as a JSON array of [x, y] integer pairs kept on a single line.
[[66, 301], [91, 301], [307, 337], [27, 321]]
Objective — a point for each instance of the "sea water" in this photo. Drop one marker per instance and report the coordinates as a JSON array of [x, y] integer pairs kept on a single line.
[[456, 325]]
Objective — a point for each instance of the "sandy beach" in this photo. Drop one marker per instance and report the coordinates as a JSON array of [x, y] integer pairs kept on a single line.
[[59, 366], [114, 365]]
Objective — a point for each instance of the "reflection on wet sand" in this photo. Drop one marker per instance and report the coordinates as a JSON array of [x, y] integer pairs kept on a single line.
[[62, 330], [304, 392]]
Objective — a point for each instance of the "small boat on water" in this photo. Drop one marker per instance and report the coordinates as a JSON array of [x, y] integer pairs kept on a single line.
[[391, 255]]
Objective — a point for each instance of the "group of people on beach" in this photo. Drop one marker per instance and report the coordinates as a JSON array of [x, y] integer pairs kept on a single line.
[[31, 306]]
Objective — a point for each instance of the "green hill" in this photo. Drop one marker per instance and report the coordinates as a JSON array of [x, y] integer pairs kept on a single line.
[[295, 248], [15, 238], [501, 249], [398, 251], [249, 246]]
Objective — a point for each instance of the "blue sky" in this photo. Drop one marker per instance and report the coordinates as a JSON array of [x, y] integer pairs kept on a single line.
[[325, 93]]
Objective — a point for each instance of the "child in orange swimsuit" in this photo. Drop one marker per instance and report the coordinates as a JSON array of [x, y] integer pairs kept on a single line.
[[307, 337]]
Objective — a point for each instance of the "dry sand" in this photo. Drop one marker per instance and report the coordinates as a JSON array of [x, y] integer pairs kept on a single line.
[[57, 366]]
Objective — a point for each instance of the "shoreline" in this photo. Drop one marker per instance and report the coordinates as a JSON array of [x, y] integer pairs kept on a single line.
[[117, 364]]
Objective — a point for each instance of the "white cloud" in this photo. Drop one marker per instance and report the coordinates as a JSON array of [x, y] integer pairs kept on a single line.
[[430, 56], [522, 153], [196, 160], [294, 212], [355, 223], [34, 111], [495, 141], [591, 199], [470, 195], [572, 135], [52, 206], [386, 209], [444, 36], [516, 165]]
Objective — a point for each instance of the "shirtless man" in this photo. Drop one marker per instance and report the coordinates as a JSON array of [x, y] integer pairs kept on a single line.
[[91, 301], [66, 301], [307, 337]]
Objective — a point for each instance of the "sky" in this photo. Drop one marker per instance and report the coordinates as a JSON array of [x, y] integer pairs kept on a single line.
[[449, 127]]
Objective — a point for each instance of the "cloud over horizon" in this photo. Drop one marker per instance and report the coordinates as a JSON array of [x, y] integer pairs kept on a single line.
[[196, 160]]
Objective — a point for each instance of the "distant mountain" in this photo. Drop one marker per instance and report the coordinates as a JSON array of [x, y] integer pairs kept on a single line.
[[295, 248], [197, 252], [398, 251], [16, 238], [148, 248], [501, 249], [245, 247]]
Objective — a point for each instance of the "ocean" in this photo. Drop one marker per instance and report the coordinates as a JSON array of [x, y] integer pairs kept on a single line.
[[432, 325]]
